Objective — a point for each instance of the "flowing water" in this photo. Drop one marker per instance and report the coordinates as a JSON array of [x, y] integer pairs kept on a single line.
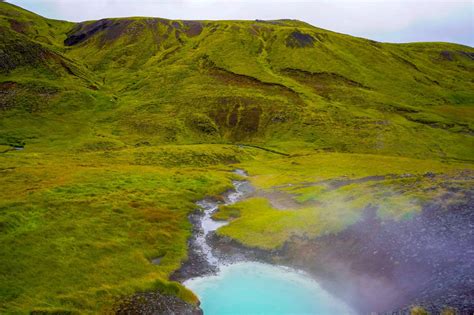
[[252, 287], [208, 225]]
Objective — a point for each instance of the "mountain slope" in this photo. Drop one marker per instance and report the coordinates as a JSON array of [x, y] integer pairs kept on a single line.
[[263, 82]]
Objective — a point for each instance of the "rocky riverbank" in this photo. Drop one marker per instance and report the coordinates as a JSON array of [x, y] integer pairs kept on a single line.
[[154, 303], [197, 263], [201, 259], [200, 262]]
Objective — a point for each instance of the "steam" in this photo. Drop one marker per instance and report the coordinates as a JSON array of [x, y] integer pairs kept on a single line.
[[386, 261]]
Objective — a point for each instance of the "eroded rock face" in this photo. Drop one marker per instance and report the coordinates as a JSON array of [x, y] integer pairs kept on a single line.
[[83, 31], [112, 29]]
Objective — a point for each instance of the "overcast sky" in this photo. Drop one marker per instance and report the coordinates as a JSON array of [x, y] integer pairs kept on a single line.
[[382, 20]]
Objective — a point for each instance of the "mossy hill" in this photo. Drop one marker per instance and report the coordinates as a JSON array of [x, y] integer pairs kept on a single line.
[[283, 84]]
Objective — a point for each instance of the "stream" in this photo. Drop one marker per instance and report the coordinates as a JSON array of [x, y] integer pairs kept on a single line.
[[249, 287]]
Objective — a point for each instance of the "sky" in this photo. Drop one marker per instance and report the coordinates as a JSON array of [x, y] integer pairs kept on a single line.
[[381, 20]]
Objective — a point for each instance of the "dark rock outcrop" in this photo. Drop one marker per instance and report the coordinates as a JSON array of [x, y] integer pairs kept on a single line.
[[298, 39], [154, 303]]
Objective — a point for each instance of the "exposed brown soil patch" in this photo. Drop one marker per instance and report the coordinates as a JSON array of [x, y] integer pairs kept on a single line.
[[83, 31], [457, 127], [29, 98], [448, 55], [7, 91], [240, 118], [323, 78], [109, 30], [242, 115], [405, 62], [467, 54], [8, 85]]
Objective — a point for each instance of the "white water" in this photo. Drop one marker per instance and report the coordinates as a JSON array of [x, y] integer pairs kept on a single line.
[[208, 225]]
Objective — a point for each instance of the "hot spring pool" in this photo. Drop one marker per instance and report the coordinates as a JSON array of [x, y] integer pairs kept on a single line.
[[256, 288]]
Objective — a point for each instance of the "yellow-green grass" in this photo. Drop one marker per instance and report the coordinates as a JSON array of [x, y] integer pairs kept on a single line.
[[260, 225], [78, 232], [324, 208], [313, 167], [227, 212]]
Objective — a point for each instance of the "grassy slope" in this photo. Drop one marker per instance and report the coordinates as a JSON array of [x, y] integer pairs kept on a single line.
[[104, 123], [256, 82]]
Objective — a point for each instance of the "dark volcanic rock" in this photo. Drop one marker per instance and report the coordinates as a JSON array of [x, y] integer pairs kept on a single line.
[[299, 40], [83, 31], [196, 265], [194, 28], [154, 303]]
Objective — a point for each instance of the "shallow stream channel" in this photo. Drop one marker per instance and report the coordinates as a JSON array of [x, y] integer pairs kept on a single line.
[[230, 286]]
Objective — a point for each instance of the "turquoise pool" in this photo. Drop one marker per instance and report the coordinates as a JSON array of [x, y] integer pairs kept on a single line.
[[256, 288]]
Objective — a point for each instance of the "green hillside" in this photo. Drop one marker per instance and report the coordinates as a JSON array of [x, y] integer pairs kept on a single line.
[[125, 123], [270, 83]]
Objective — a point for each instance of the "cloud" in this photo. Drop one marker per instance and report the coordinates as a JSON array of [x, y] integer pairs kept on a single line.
[[383, 20]]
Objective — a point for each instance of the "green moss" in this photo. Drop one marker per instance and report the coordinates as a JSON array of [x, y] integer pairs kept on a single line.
[[226, 213], [252, 227]]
